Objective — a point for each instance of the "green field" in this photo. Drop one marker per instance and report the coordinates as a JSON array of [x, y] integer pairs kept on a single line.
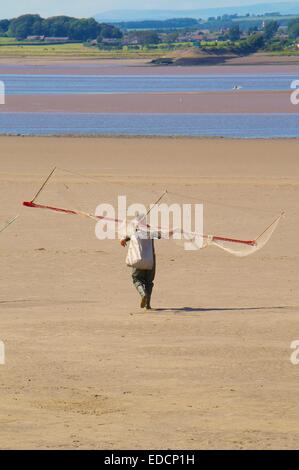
[[10, 48], [4, 41], [285, 53]]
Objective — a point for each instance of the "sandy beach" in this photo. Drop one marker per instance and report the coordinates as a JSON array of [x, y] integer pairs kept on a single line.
[[209, 367]]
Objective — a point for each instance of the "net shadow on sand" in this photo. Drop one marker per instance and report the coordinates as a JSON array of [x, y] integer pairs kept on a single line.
[[218, 309]]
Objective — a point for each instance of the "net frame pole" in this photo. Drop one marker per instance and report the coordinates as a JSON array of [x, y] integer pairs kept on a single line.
[[43, 185], [11, 221]]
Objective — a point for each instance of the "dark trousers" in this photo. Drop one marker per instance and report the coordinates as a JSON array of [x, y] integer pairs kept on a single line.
[[143, 280]]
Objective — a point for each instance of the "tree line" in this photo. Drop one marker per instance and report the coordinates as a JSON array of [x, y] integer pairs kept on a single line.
[[58, 26], [293, 28], [270, 29], [174, 23]]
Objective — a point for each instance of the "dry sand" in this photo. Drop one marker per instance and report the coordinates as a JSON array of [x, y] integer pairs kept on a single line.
[[210, 368]]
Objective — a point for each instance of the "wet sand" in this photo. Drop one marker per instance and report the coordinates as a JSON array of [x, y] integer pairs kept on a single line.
[[210, 102], [209, 367], [254, 64], [216, 102]]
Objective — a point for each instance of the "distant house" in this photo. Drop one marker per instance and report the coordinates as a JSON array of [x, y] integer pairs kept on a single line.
[[283, 36], [131, 41], [283, 28], [56, 40], [184, 38], [111, 41], [202, 35], [197, 37], [35, 38], [224, 30], [205, 31]]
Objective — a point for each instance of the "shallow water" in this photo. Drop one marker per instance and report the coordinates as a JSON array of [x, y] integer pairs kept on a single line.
[[224, 125], [20, 84]]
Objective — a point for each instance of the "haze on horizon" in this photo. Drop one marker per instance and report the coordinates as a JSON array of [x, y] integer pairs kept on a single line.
[[92, 7]]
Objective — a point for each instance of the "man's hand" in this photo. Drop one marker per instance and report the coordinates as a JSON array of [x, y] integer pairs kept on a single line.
[[123, 242]]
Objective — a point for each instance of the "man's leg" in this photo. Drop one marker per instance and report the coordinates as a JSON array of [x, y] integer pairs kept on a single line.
[[139, 281], [149, 286]]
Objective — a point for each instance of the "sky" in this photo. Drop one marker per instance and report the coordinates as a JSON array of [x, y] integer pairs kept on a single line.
[[85, 8]]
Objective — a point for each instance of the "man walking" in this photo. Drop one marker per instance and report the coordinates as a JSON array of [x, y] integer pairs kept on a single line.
[[142, 258]]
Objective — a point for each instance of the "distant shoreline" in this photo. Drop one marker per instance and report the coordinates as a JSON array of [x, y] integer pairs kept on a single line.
[[263, 62], [149, 137]]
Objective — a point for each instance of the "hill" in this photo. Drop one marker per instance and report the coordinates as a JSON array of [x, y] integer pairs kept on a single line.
[[285, 8]]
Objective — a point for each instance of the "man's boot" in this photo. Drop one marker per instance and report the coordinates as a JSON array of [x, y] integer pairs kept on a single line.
[[142, 293], [148, 303]]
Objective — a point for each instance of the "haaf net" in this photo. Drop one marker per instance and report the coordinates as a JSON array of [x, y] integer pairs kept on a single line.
[[191, 241], [236, 247]]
